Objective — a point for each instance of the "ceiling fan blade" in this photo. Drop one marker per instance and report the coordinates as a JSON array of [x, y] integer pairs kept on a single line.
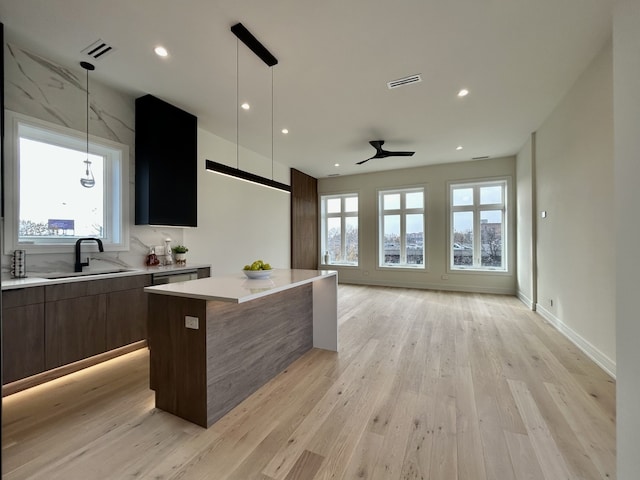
[[380, 153], [400, 154]]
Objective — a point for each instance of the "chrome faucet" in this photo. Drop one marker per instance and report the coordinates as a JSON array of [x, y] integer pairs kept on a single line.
[[80, 264]]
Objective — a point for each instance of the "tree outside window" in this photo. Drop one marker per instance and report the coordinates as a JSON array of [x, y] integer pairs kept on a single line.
[[478, 213], [402, 227], [339, 229]]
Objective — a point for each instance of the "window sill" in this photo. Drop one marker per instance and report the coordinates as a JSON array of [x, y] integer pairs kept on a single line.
[[340, 265], [482, 271], [405, 268]]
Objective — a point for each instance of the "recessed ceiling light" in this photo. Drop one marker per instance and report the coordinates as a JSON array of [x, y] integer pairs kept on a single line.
[[459, 147], [245, 106], [463, 93], [161, 51], [336, 164], [285, 130]]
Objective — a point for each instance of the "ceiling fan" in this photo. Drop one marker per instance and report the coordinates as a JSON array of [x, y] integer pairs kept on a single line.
[[380, 153]]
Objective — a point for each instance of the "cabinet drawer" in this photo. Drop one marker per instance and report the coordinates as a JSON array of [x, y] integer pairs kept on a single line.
[[22, 296], [62, 291], [96, 287]]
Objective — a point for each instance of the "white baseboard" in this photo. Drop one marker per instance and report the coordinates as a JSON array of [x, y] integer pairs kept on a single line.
[[526, 300], [591, 351], [446, 287]]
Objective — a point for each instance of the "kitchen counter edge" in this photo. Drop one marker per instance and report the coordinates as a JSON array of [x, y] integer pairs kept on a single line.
[[33, 281]]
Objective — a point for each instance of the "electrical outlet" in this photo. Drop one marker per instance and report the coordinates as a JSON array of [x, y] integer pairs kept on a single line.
[[191, 322], [445, 277], [159, 250]]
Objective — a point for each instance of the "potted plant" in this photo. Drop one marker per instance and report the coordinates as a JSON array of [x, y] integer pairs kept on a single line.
[[180, 254]]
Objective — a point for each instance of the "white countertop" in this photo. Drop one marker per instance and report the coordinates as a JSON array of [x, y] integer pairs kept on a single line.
[[237, 288], [32, 280]]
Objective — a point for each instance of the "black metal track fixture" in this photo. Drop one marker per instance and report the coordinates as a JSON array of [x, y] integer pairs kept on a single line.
[[248, 176], [246, 37], [260, 50]]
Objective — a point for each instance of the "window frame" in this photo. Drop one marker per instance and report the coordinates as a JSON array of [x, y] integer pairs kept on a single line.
[[116, 183], [477, 208], [403, 212], [343, 215]]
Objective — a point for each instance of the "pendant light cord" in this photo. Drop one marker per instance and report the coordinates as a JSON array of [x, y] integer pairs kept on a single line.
[[271, 122], [237, 107], [87, 121]]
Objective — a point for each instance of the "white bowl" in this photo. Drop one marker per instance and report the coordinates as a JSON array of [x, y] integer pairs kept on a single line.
[[257, 273]]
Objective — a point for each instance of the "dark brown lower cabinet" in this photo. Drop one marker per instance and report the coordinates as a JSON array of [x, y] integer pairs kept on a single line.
[[126, 317], [22, 333], [74, 329], [46, 327]]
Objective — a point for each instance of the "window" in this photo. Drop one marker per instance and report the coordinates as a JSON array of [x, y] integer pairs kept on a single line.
[[478, 225], [48, 208], [402, 227], [340, 229]]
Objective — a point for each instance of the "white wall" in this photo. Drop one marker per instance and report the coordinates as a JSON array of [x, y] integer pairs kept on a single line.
[[575, 242], [435, 179], [525, 223], [238, 222], [626, 73]]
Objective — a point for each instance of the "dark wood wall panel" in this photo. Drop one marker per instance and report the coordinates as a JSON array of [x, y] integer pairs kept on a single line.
[[304, 220]]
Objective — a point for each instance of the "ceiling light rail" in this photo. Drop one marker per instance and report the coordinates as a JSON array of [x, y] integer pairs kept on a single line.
[[261, 51], [248, 176]]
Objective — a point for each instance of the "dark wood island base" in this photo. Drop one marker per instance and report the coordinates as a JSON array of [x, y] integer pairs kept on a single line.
[[200, 374]]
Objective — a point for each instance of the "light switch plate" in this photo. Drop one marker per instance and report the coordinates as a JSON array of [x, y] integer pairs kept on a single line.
[[191, 322]]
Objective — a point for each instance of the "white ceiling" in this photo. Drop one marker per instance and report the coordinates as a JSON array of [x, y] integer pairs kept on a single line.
[[517, 58]]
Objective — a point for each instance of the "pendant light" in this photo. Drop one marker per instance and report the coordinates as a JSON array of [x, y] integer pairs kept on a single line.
[[88, 181], [246, 37]]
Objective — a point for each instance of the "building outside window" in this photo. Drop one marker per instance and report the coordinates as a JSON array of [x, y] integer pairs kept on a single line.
[[339, 229], [50, 206], [402, 228], [478, 225]]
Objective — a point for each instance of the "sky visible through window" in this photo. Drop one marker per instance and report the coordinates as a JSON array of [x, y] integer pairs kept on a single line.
[[464, 197], [50, 187], [415, 223]]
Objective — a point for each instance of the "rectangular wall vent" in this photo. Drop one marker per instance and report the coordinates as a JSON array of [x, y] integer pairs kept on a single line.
[[98, 49], [401, 82]]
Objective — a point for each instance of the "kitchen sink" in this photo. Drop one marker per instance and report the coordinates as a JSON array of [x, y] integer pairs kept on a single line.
[[83, 274]]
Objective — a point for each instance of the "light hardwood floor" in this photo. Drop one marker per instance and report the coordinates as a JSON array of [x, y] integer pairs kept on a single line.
[[427, 385]]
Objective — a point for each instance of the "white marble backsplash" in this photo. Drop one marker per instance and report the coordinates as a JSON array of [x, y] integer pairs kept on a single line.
[[38, 87]]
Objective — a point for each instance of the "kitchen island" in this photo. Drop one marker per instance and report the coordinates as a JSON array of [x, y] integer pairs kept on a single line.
[[214, 341]]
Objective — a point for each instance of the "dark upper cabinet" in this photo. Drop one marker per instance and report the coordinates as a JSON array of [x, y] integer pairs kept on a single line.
[[166, 164]]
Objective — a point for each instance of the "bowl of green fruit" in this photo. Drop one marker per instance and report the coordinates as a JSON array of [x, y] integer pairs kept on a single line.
[[258, 269]]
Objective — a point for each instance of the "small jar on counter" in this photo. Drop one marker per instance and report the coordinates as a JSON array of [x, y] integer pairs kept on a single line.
[[152, 258]]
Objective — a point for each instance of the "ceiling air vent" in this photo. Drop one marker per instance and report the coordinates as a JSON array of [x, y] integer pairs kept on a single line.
[[98, 49], [480, 158], [401, 82]]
